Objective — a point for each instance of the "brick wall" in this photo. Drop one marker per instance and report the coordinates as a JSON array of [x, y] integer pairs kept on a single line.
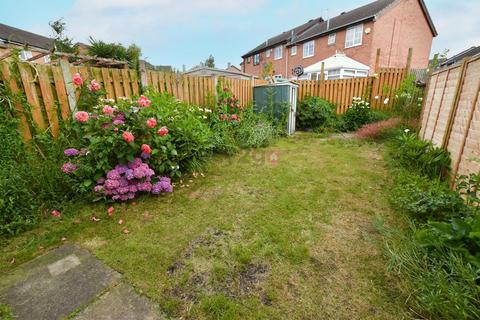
[[399, 28]]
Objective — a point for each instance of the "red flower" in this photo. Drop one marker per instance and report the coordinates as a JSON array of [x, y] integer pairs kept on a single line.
[[128, 136], [110, 211], [234, 117], [77, 79], [146, 149], [151, 123], [225, 89], [163, 131], [144, 101], [81, 116], [56, 214], [223, 117]]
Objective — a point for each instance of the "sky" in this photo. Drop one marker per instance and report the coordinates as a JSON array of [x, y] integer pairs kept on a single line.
[[185, 32]]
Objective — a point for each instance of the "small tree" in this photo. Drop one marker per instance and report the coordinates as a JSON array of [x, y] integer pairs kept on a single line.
[[62, 42], [209, 62], [267, 70]]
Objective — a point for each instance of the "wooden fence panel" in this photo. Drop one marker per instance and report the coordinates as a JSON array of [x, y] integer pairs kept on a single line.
[[451, 114]]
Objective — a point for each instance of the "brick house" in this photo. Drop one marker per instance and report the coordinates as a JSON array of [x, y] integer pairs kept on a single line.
[[30, 44], [394, 26]]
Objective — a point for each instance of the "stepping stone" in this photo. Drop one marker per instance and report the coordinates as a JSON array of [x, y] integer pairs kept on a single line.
[[54, 285], [120, 303]]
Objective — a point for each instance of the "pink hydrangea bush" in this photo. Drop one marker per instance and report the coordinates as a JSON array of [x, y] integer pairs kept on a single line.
[[124, 182], [160, 137]]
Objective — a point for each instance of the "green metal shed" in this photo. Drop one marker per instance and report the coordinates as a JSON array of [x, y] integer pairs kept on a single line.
[[278, 100]]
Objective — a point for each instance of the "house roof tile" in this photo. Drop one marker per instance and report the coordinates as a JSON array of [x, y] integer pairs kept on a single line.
[[13, 35]]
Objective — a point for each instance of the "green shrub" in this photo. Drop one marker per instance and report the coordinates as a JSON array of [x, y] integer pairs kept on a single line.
[[426, 199], [421, 156], [358, 114], [408, 100], [30, 178], [254, 131], [315, 112]]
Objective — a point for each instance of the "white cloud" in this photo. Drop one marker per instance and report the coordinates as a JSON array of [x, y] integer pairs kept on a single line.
[[130, 21]]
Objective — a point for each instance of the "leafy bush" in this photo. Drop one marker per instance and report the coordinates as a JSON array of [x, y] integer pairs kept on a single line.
[[315, 112], [426, 199], [164, 138], [421, 156], [254, 131], [408, 99], [357, 115], [30, 179]]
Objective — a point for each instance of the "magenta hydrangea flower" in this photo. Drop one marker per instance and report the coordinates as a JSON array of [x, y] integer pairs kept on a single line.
[[71, 152], [69, 167]]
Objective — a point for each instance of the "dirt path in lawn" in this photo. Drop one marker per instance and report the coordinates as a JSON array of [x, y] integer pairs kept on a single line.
[[281, 233]]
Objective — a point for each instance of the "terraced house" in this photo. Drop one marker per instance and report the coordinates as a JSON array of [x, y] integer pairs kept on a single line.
[[393, 26]]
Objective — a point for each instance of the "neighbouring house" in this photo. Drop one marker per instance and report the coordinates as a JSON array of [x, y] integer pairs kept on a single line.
[[231, 67], [473, 51], [393, 26], [31, 44], [207, 71]]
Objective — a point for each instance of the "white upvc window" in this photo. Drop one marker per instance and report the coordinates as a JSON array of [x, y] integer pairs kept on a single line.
[[332, 37], [25, 55], [333, 74], [309, 49], [277, 53], [354, 36], [294, 50], [47, 59], [256, 59], [268, 53]]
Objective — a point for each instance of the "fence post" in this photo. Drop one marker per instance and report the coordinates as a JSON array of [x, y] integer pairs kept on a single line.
[[376, 79], [409, 61], [322, 80], [453, 110], [143, 74], [215, 93], [67, 79]]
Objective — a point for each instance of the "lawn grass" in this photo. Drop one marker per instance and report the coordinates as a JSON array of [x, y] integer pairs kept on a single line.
[[253, 239]]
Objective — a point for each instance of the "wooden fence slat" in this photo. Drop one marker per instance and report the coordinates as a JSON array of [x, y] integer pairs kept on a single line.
[[12, 83], [61, 92], [47, 96], [117, 85], [107, 81], [32, 94], [126, 83]]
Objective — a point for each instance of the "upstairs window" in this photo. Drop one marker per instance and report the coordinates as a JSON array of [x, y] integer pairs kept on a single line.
[[354, 36], [309, 49], [294, 50], [277, 53], [256, 59], [248, 59], [332, 37]]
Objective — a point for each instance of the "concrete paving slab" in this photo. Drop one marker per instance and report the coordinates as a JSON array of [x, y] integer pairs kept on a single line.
[[121, 303], [56, 284]]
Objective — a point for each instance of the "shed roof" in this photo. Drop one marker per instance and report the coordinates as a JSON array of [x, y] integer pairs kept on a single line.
[[14, 35], [337, 61]]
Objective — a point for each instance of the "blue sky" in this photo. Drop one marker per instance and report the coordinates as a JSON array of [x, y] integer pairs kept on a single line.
[[177, 32]]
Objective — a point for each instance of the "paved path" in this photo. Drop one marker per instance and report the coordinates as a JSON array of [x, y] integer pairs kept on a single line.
[[69, 279]]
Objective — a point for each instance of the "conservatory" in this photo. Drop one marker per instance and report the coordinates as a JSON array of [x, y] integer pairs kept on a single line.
[[338, 66]]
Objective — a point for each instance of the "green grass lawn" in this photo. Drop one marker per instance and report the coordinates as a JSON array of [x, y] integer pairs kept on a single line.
[[252, 239]]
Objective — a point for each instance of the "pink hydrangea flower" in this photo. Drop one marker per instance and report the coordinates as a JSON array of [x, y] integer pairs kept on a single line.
[[146, 149], [234, 117], [163, 131], [94, 86], [151, 123], [108, 110], [77, 79], [56, 214], [81, 116], [128, 136], [144, 101], [69, 167]]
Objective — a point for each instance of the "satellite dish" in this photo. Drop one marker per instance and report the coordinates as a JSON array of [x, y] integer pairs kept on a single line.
[[298, 71]]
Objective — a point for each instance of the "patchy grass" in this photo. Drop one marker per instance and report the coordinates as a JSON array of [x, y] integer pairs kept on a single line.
[[253, 239]]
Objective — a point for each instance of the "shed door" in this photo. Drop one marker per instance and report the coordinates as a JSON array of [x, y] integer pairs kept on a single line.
[[293, 110]]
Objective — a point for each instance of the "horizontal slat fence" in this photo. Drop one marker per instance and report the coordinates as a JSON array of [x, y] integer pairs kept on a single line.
[[376, 89], [451, 114]]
